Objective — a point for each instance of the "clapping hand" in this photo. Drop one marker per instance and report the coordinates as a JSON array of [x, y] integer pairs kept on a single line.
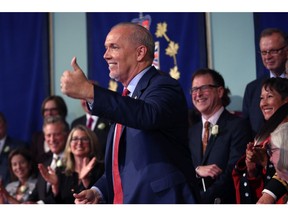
[[87, 197], [48, 174], [87, 166], [255, 156]]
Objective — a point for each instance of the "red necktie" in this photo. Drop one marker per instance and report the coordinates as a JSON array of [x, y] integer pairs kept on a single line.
[[90, 122], [118, 193], [205, 136]]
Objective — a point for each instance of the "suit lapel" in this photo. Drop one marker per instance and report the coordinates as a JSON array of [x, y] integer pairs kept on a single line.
[[142, 85]]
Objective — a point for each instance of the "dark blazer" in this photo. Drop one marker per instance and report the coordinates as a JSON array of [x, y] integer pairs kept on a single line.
[[251, 104], [69, 184], [37, 148], [9, 145], [40, 191], [101, 133], [154, 159], [223, 149]]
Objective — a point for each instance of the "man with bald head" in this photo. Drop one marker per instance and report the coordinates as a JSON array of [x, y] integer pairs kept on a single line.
[[154, 164]]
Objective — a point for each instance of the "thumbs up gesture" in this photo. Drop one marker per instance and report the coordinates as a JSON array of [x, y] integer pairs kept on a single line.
[[75, 84]]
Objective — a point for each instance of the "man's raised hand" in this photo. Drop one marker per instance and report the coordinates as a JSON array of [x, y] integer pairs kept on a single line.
[[75, 84]]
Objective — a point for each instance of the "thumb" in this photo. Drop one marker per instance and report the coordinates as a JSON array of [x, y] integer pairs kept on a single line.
[[74, 64]]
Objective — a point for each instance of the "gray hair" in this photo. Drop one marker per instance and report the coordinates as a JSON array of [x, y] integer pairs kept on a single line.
[[279, 139], [141, 36]]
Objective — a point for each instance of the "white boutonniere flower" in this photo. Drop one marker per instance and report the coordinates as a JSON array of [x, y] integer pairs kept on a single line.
[[23, 189], [6, 149], [101, 126], [215, 130], [59, 163]]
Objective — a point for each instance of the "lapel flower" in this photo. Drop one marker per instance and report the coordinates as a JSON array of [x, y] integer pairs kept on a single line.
[[59, 163], [101, 126], [215, 130], [6, 149], [23, 189]]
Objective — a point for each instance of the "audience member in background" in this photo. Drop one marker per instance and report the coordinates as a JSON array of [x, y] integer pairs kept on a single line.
[[22, 169], [52, 106], [7, 144], [227, 137], [253, 171], [99, 125], [83, 162], [55, 130], [278, 151], [274, 51]]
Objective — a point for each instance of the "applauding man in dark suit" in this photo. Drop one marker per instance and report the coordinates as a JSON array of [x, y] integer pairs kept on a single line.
[[226, 138], [154, 162]]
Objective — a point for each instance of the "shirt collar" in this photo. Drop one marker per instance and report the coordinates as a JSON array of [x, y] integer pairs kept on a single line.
[[95, 118], [213, 119], [133, 83], [273, 75]]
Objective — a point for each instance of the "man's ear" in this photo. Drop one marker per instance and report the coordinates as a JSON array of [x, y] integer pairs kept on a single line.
[[220, 91], [141, 52]]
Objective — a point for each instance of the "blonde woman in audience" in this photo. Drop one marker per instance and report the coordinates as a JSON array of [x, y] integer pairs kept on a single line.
[[22, 172], [83, 165]]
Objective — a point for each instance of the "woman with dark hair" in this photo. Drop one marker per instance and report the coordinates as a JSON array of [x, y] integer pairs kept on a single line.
[[83, 165], [23, 175], [253, 170]]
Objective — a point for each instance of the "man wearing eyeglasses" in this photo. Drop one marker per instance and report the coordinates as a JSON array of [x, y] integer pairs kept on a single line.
[[225, 140], [274, 53]]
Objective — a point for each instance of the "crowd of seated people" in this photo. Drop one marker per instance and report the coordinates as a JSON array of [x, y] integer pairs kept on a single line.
[[75, 155]]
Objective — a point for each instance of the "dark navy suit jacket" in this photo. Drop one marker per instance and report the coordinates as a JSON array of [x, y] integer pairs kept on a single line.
[[251, 104], [224, 150], [40, 191], [154, 158]]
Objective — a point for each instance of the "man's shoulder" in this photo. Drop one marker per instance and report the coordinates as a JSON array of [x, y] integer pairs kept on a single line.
[[257, 81], [234, 118], [77, 120]]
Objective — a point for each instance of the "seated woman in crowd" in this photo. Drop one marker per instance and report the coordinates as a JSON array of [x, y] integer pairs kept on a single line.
[[83, 165], [22, 171], [253, 170]]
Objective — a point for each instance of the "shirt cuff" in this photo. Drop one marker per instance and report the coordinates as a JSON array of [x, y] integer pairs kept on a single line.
[[98, 193], [270, 193]]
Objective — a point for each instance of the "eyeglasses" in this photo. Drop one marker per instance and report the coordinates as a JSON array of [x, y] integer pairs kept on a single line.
[[82, 139], [270, 150], [272, 52], [202, 88], [51, 110]]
